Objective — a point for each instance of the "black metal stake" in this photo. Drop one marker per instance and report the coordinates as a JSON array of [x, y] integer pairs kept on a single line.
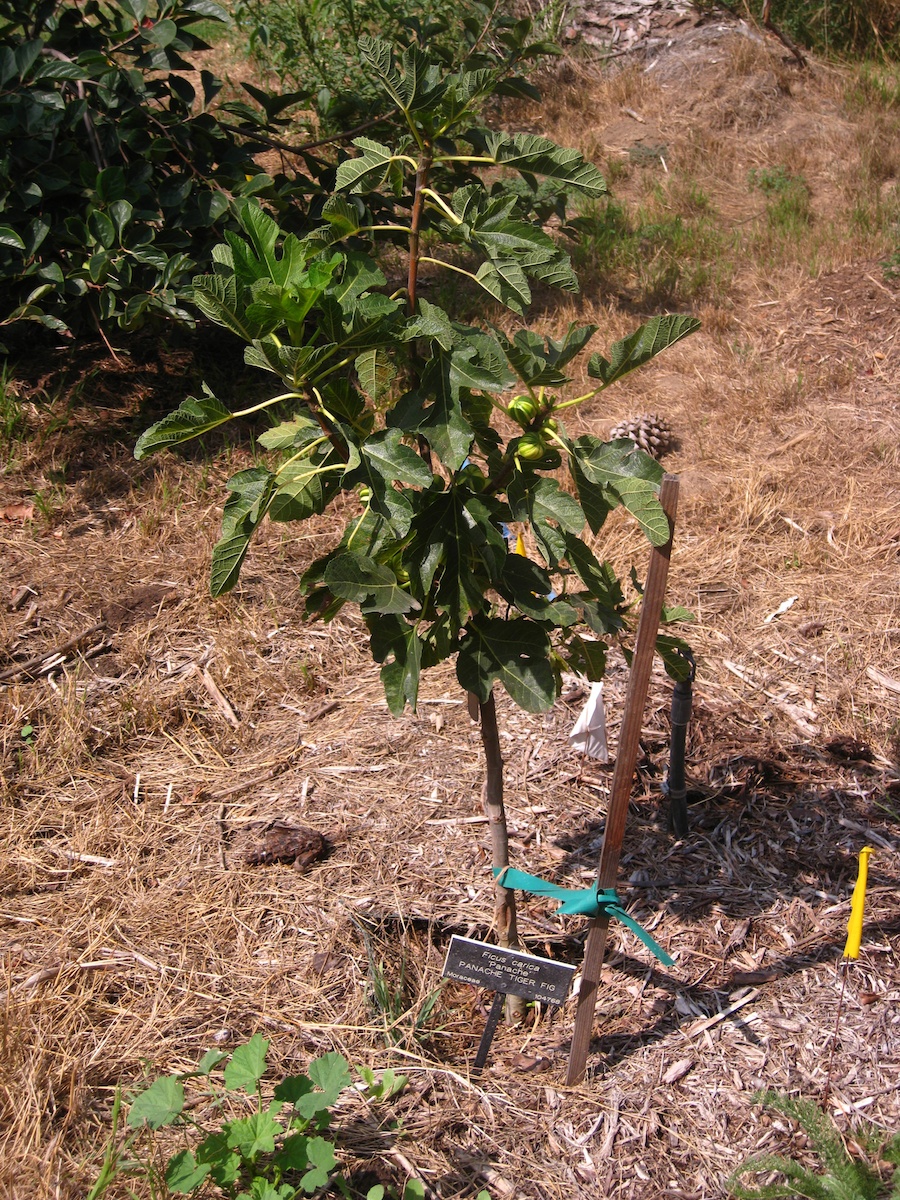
[[676, 786], [490, 1029]]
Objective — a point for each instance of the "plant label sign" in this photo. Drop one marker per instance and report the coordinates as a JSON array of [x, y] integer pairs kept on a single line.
[[508, 972]]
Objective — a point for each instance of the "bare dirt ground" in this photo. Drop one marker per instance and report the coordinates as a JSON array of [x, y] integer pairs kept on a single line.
[[139, 922]]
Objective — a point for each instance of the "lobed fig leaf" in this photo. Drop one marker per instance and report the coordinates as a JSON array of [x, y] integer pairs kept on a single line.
[[639, 347]]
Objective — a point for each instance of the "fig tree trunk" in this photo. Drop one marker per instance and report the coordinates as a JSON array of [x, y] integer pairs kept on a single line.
[[504, 898]]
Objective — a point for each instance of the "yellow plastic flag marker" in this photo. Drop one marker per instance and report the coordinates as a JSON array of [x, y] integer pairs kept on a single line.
[[857, 904], [520, 546]]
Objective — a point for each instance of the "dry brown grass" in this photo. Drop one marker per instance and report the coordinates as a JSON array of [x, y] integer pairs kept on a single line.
[[133, 933], [721, 110]]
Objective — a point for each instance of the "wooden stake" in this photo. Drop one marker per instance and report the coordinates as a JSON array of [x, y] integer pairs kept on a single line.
[[623, 778]]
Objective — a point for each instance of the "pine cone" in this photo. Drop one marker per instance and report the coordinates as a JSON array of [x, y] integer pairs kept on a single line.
[[647, 431]]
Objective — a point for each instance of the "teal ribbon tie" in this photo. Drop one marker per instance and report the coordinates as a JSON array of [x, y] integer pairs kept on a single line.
[[587, 902]]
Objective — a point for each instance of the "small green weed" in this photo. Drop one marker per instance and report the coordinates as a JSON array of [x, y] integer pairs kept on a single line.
[[12, 418], [26, 743], [690, 198], [891, 812], [672, 258], [843, 1177], [771, 181], [787, 197], [48, 500], [875, 86], [404, 1014], [890, 267], [25, 427], [276, 1152], [616, 169]]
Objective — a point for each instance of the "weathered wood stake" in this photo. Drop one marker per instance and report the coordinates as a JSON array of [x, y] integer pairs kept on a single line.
[[623, 778]]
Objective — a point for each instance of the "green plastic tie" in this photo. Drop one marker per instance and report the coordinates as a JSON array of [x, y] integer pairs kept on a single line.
[[587, 902]]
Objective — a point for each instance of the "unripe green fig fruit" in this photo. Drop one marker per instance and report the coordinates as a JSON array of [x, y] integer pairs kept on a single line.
[[531, 447], [523, 410]]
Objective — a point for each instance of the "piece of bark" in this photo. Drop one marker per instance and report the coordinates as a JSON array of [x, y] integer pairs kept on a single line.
[[19, 596], [286, 843], [850, 748]]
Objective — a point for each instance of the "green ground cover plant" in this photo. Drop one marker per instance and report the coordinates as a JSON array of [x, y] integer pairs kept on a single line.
[[891, 265], [399, 1001], [280, 1148], [843, 1176], [874, 85], [12, 419], [787, 197], [392, 398], [667, 258]]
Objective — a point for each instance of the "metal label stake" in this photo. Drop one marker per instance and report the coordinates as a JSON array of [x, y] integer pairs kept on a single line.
[[676, 786], [484, 1046], [506, 973]]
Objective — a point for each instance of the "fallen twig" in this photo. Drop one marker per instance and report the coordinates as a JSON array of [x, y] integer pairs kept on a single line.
[[708, 1022], [782, 37], [223, 834], [49, 659], [95, 860], [403, 1162], [219, 697], [48, 973], [272, 773], [478, 820], [885, 681], [20, 596]]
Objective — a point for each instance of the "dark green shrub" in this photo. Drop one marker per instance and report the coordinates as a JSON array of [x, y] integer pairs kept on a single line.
[[116, 178]]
